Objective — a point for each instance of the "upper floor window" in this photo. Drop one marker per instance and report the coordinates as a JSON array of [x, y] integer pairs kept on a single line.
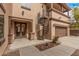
[[65, 12], [2, 40], [26, 6]]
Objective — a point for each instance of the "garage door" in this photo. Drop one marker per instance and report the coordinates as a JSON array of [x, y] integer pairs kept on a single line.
[[60, 31]]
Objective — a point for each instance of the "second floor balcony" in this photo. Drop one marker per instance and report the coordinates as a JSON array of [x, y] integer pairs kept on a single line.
[[60, 12], [61, 7], [59, 16]]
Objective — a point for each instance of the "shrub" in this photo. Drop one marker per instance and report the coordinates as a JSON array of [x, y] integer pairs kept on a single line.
[[55, 39]]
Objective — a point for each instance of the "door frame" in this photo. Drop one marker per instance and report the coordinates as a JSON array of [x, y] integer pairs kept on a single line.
[[21, 35]]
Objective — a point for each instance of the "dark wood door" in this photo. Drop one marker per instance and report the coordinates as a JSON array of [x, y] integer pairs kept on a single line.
[[20, 29]]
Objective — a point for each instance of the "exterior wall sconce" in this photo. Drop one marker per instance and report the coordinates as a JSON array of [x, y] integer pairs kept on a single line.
[[22, 13]]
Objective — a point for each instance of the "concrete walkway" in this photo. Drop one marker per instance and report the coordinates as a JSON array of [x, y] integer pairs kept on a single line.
[[68, 46], [60, 50], [55, 51], [20, 43], [33, 51]]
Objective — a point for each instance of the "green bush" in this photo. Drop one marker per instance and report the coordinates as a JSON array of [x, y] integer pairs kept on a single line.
[[55, 39]]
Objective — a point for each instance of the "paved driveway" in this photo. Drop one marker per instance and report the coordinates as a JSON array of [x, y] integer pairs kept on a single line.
[[71, 41]]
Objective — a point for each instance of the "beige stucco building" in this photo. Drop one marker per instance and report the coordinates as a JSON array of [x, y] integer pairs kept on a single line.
[[33, 21]]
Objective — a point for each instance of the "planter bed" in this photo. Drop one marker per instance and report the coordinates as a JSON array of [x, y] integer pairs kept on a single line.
[[45, 46]]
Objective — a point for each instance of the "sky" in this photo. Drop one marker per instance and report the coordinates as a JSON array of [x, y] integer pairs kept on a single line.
[[72, 5]]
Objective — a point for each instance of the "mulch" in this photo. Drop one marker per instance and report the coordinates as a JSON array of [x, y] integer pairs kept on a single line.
[[45, 46]]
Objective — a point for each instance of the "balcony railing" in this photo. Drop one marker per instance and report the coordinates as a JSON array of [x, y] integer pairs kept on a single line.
[[58, 12], [59, 16], [59, 8]]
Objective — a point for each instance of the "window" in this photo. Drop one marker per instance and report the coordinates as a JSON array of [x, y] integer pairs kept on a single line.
[[2, 40], [66, 13], [26, 6], [1, 26]]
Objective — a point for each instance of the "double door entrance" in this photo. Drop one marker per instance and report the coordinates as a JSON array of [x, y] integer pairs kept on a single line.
[[20, 29]]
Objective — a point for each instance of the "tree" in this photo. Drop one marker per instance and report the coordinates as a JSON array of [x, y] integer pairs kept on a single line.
[[76, 13]]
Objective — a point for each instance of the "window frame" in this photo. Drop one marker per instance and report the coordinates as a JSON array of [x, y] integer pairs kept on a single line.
[[25, 7], [2, 26], [2, 39]]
